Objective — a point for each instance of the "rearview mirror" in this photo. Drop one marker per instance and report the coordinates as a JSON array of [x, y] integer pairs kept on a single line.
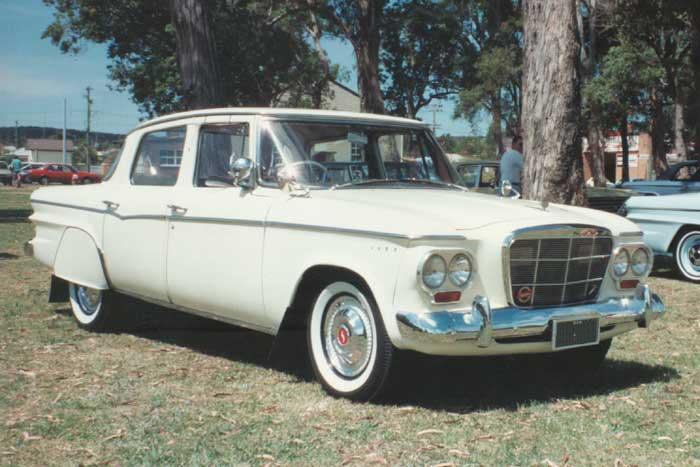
[[242, 173], [507, 190]]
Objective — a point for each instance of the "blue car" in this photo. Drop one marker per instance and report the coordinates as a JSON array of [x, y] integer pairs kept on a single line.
[[679, 178]]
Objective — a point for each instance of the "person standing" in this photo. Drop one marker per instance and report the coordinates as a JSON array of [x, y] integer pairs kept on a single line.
[[511, 166], [16, 167]]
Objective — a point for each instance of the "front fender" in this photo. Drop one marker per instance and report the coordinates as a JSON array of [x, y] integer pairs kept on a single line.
[[78, 260]]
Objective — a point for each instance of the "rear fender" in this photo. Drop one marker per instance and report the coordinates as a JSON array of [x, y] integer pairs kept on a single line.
[[78, 260]]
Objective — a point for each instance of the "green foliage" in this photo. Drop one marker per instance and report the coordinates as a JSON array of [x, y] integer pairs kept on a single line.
[[261, 51], [628, 73], [477, 147], [419, 47], [81, 152]]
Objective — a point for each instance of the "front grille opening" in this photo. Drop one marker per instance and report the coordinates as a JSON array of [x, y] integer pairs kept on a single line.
[[549, 272]]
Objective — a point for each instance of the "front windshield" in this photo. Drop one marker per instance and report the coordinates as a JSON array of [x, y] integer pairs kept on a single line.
[[324, 155]]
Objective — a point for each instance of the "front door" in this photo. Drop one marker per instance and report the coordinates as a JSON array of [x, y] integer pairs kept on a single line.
[[216, 232], [136, 223]]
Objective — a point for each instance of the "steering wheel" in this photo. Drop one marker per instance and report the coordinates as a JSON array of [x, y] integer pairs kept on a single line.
[[323, 168]]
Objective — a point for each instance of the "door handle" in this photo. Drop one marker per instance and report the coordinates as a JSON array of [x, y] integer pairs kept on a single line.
[[111, 204], [177, 209]]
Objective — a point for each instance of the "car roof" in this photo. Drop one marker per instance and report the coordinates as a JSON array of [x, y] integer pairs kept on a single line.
[[484, 162], [300, 114]]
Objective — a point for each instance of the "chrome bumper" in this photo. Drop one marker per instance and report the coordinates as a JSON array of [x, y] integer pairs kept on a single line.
[[483, 324]]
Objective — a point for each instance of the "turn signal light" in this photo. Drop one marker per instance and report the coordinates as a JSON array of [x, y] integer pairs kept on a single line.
[[447, 297], [629, 284]]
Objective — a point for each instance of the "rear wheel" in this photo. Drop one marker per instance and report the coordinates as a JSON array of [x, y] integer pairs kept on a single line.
[[687, 256], [93, 309], [87, 181], [349, 348], [44, 180]]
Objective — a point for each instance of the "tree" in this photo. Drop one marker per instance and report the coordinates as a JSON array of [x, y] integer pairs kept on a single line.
[[418, 49], [359, 21], [196, 53], [615, 94], [263, 60], [552, 102], [490, 59]]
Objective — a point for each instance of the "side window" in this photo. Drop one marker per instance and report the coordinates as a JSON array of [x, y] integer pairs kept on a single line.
[[470, 175], [158, 158], [489, 177], [219, 146]]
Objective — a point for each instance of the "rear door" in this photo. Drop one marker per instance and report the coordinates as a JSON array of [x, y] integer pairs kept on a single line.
[[136, 224]]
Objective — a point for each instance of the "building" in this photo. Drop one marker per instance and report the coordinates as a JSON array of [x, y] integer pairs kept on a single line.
[[22, 153], [640, 160], [49, 150], [339, 97]]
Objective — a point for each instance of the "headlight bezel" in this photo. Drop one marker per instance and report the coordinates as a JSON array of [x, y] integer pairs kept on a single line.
[[616, 253], [447, 255], [451, 273], [648, 265], [437, 258]]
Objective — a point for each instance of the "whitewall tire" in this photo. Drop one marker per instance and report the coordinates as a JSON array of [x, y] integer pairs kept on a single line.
[[92, 308], [349, 349], [687, 256]]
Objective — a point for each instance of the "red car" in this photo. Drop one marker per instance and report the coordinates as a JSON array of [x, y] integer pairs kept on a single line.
[[61, 173]]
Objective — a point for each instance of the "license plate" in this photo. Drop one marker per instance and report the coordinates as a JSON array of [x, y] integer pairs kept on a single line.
[[568, 334]]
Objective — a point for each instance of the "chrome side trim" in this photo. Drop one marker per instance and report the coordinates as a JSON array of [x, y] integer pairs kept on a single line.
[[632, 234], [203, 314], [641, 208], [481, 324], [273, 224]]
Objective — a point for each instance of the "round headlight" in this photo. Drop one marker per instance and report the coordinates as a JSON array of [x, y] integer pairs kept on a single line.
[[460, 270], [621, 263], [641, 262], [434, 272]]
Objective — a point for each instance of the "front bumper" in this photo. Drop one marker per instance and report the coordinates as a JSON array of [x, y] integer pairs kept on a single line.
[[485, 327]]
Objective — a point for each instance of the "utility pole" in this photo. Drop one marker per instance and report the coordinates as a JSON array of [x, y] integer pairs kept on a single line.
[[87, 132], [17, 134], [64, 130], [435, 108]]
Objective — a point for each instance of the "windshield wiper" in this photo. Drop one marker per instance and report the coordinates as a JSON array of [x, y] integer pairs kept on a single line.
[[375, 181]]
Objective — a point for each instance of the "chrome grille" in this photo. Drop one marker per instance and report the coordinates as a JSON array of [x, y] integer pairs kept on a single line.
[[559, 266]]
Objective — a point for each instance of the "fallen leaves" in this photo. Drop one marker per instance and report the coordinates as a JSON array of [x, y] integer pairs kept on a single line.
[[119, 434], [430, 431]]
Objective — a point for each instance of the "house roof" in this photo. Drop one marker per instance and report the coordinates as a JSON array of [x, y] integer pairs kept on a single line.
[[49, 144]]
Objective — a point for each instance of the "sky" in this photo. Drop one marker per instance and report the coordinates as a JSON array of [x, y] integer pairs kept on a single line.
[[35, 77]]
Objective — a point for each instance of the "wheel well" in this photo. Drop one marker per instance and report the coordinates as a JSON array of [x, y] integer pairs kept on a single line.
[[682, 231], [312, 282]]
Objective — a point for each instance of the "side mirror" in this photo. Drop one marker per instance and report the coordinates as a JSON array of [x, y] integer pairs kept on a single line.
[[242, 173], [507, 190]]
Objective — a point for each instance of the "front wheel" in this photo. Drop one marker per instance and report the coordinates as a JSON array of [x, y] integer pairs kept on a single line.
[[350, 350], [93, 309], [687, 256]]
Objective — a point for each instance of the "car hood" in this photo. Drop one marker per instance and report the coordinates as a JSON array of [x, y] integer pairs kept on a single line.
[[423, 211], [677, 201]]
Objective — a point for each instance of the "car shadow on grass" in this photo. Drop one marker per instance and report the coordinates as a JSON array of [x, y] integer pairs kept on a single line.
[[14, 215], [453, 384]]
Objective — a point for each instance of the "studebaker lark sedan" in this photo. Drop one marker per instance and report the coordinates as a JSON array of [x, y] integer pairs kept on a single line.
[[247, 216]]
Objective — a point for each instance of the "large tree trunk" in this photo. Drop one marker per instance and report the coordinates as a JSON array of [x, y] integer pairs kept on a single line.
[[552, 102], [658, 133], [624, 138], [196, 54], [679, 128], [366, 47]]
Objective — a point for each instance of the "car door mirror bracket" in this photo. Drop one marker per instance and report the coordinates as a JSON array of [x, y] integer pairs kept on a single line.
[[243, 173]]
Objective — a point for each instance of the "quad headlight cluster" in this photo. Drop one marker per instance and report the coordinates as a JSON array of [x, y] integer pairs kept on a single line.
[[436, 270], [635, 259]]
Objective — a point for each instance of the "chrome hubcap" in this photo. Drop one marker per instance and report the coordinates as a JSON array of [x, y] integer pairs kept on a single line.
[[347, 336], [89, 299], [690, 255]]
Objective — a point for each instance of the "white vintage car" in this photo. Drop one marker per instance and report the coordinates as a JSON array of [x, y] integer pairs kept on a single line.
[[671, 226], [349, 225]]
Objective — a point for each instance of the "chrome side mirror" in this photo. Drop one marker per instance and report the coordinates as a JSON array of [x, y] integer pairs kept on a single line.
[[242, 171], [507, 190]]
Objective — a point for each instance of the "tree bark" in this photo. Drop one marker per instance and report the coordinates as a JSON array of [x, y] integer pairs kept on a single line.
[[496, 128], [658, 133], [596, 151], [552, 102], [624, 138], [366, 46], [196, 53], [681, 148]]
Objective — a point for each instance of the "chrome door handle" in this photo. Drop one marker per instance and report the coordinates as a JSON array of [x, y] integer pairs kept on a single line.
[[110, 204], [177, 209]]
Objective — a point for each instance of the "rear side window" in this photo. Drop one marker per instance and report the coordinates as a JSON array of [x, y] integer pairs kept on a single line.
[[158, 158]]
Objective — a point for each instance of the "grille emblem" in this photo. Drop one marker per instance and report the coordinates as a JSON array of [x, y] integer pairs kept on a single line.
[[588, 233], [524, 295]]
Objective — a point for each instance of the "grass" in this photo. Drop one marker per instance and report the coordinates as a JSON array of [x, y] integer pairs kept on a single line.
[[161, 394]]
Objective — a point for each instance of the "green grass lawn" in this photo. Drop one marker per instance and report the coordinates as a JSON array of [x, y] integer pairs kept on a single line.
[[160, 394]]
